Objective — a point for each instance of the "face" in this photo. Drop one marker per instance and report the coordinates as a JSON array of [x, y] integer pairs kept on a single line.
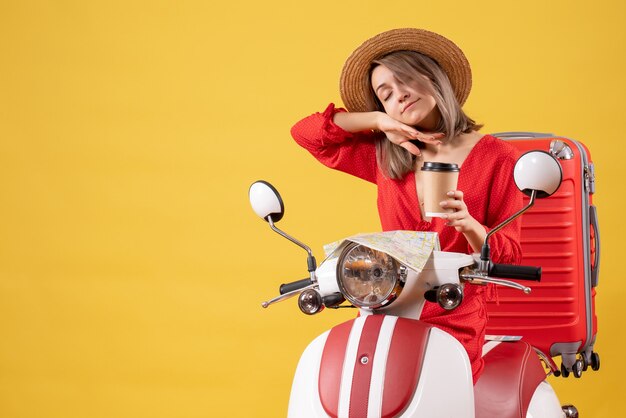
[[408, 103]]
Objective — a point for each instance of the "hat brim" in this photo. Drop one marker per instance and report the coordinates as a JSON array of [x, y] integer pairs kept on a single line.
[[354, 82]]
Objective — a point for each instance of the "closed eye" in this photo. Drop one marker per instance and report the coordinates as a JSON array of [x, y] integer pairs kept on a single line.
[[383, 92], [385, 95]]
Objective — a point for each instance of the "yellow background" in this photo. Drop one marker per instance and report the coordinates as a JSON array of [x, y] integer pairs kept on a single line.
[[131, 266]]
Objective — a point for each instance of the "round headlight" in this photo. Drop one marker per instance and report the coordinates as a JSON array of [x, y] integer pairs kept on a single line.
[[369, 278]]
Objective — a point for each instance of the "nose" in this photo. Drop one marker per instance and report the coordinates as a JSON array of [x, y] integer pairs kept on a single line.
[[403, 95]]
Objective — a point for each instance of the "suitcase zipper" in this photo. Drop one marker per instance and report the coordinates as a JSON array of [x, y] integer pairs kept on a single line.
[[590, 178]]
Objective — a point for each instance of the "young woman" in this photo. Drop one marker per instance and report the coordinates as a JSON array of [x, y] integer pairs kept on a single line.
[[404, 90]]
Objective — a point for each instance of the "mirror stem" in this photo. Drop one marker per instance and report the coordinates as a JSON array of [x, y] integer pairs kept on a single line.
[[484, 254], [533, 195], [311, 263]]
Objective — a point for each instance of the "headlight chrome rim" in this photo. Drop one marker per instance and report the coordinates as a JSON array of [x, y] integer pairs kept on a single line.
[[310, 302], [450, 296], [382, 267]]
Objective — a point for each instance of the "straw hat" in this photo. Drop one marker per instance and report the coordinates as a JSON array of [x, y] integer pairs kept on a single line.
[[355, 74]]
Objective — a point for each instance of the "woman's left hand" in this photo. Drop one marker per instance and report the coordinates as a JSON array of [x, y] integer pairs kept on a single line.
[[460, 219]]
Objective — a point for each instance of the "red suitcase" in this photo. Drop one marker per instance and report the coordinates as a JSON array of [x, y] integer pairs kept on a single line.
[[560, 234]]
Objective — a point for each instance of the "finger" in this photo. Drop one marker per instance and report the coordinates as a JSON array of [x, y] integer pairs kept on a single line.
[[409, 131], [415, 134], [405, 130], [453, 216], [458, 224], [428, 138], [437, 135], [452, 204], [454, 222], [456, 194], [411, 148]]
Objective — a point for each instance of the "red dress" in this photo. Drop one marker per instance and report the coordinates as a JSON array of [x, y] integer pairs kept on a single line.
[[486, 179]]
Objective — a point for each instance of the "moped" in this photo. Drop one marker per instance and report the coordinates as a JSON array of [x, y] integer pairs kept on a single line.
[[388, 363]]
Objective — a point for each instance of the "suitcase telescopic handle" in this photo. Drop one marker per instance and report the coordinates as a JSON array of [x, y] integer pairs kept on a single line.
[[509, 271], [521, 134]]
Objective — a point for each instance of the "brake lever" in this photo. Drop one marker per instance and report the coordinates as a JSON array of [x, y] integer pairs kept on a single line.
[[479, 279], [287, 295]]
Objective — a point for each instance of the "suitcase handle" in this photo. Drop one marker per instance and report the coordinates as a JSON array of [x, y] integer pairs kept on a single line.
[[521, 134], [593, 216]]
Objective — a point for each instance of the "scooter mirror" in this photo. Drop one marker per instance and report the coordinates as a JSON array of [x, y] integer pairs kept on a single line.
[[266, 201], [538, 170]]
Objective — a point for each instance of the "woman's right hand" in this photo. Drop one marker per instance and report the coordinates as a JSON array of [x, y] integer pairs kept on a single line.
[[401, 134]]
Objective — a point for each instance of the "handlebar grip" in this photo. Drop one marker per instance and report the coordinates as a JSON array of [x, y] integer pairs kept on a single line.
[[333, 300], [297, 285], [509, 271]]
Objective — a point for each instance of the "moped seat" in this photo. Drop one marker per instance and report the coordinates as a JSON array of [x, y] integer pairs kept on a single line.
[[511, 375]]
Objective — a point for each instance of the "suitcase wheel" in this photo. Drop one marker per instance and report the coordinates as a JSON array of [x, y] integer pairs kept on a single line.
[[577, 368], [595, 361], [590, 359], [580, 365]]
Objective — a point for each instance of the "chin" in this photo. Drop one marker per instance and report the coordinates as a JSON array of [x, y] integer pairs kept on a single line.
[[414, 121]]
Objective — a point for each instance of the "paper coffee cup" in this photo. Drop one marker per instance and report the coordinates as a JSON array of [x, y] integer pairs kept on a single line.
[[437, 180]]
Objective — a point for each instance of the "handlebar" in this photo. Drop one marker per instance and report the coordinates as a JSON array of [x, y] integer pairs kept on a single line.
[[509, 271], [297, 285]]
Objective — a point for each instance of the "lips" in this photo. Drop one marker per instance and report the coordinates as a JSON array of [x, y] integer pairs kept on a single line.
[[409, 105]]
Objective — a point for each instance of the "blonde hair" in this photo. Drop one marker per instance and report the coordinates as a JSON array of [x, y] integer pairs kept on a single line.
[[409, 66]]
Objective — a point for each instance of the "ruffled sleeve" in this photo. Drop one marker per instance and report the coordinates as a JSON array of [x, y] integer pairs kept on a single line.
[[351, 152]]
